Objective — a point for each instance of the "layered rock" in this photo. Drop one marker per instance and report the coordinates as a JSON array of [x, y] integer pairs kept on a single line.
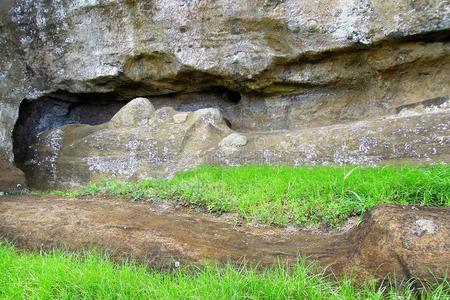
[[140, 142], [266, 65]]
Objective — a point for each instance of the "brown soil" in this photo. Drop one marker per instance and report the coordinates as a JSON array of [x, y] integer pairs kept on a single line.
[[404, 241]]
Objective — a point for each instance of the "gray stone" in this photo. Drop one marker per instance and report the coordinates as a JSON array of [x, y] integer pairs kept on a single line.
[[137, 112], [232, 142], [180, 118]]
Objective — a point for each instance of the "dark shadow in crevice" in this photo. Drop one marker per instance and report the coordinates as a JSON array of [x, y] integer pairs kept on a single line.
[[229, 95], [219, 97], [50, 112]]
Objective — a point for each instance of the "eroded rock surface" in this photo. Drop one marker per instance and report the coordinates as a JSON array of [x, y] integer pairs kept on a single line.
[[415, 242], [140, 142], [131, 146], [400, 242], [265, 65]]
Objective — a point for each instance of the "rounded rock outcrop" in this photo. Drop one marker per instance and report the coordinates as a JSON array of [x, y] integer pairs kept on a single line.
[[135, 113]]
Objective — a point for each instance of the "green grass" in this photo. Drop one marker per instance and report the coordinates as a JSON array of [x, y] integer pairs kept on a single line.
[[281, 195], [59, 275]]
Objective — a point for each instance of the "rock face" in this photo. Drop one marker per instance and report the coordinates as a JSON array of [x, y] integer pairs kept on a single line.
[[332, 78], [148, 143]]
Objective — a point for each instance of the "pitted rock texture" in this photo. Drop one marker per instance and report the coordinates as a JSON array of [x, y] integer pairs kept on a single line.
[[267, 65], [143, 144], [149, 143], [402, 238]]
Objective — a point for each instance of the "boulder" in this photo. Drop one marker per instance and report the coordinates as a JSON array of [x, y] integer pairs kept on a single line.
[[137, 112], [403, 242], [232, 142]]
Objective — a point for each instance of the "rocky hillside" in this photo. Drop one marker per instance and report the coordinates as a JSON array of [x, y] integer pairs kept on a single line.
[[228, 82]]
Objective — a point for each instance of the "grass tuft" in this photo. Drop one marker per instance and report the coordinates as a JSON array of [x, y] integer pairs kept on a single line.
[[304, 196], [62, 275]]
